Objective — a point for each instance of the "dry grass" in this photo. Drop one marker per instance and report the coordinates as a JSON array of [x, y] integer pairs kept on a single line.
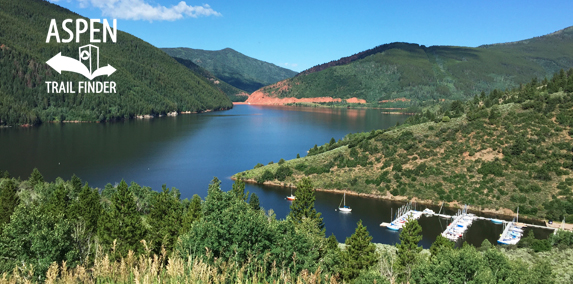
[[154, 269]]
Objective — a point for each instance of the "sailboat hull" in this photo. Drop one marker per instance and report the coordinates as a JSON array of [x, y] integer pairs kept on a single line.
[[345, 210]]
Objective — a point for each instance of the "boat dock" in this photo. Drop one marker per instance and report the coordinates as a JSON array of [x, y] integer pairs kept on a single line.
[[404, 213], [460, 223]]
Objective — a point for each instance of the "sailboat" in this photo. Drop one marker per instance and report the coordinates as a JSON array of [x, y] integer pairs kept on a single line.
[[291, 197], [344, 208]]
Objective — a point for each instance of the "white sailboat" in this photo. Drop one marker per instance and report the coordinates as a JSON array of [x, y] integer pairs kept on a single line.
[[344, 208], [291, 197]]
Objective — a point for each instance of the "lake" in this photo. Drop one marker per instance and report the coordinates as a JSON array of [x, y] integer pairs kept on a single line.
[[187, 151]]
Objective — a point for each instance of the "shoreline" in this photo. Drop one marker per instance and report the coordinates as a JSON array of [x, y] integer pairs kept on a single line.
[[143, 116], [502, 212], [349, 106]]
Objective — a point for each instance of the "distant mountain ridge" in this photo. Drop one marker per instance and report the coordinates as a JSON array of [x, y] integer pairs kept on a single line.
[[419, 73], [235, 68], [233, 93]]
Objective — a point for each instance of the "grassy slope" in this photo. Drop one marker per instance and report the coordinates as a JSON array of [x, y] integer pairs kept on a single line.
[[148, 80], [427, 73], [237, 69], [518, 156], [233, 93]]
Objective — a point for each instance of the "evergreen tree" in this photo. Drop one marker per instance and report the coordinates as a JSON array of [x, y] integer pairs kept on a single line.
[[213, 199], [360, 254], [408, 249], [59, 201], [6, 175], [254, 202], [76, 185], [36, 177], [440, 244], [87, 208], [331, 243], [165, 219], [303, 206], [193, 214], [332, 141], [9, 200], [239, 189], [122, 223], [298, 155]]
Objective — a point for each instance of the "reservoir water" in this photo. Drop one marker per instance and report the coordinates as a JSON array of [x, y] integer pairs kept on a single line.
[[187, 151]]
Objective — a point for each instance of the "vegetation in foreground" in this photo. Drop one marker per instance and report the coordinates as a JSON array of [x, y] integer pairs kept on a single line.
[[507, 149], [148, 80], [66, 232], [419, 73]]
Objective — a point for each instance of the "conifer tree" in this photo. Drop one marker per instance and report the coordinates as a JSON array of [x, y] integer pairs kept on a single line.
[[9, 200], [303, 206], [87, 208], [165, 219], [213, 199], [122, 223], [193, 214], [360, 254], [254, 202], [36, 177], [239, 189], [408, 249], [76, 185], [440, 244], [331, 243], [59, 201]]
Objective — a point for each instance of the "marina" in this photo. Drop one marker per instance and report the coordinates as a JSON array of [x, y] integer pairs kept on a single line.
[[461, 221]]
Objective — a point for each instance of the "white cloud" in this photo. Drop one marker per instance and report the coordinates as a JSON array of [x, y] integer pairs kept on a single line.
[[141, 10], [291, 64]]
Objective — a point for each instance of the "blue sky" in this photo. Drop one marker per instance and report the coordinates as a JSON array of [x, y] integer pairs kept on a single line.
[[300, 34]]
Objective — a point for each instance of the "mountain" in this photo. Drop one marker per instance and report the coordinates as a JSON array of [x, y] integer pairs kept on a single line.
[[148, 80], [235, 68], [234, 94], [495, 152], [419, 73]]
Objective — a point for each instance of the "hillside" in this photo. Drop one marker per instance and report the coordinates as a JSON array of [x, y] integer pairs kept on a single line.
[[495, 152], [148, 80], [235, 68], [420, 73], [233, 93]]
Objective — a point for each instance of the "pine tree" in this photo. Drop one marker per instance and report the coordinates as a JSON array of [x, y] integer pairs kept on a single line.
[[59, 201], [87, 208], [239, 189], [165, 219], [440, 244], [298, 156], [76, 185], [193, 214], [9, 200], [332, 141], [122, 223], [408, 249], [360, 254], [331, 243], [303, 206], [254, 202], [36, 177]]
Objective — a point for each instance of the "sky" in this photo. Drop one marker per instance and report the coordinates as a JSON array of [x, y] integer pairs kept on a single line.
[[301, 34]]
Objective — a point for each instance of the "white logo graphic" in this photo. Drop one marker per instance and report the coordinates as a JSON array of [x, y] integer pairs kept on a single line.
[[63, 63]]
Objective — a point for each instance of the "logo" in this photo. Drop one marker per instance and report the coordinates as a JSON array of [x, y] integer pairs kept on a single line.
[[88, 62], [86, 55]]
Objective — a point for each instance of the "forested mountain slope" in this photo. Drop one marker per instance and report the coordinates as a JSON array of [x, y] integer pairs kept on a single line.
[[148, 80], [233, 93], [503, 150], [420, 73], [235, 68]]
